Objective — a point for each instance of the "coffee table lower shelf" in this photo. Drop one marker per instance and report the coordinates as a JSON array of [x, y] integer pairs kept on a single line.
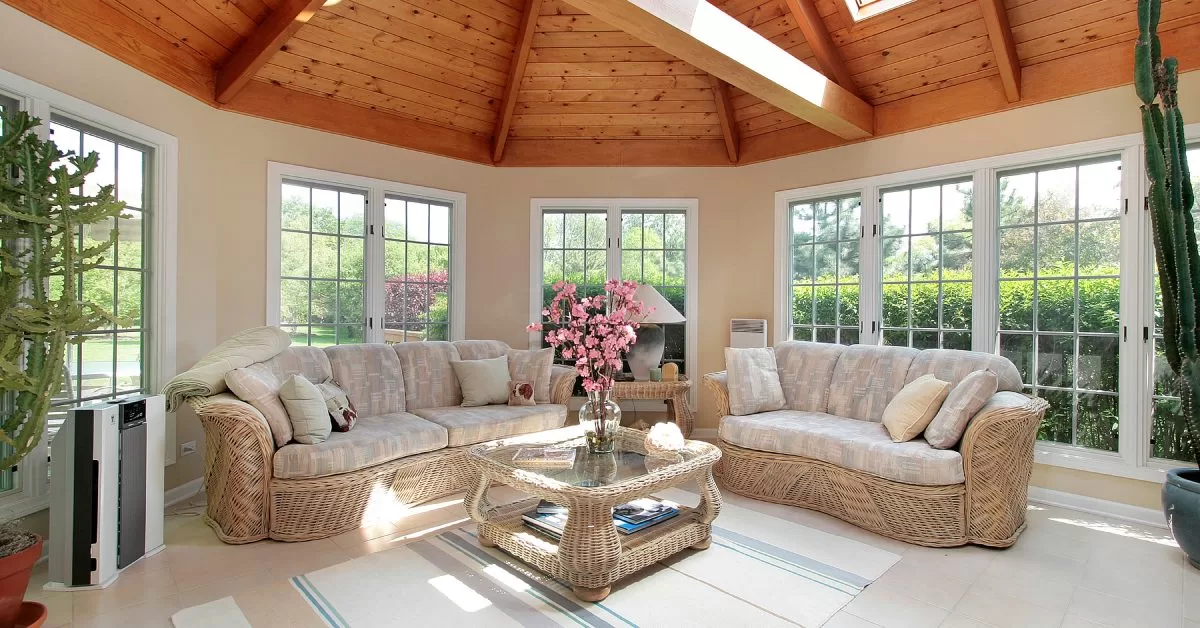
[[591, 569]]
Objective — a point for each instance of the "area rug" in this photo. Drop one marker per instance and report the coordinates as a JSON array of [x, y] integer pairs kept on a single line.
[[760, 570]]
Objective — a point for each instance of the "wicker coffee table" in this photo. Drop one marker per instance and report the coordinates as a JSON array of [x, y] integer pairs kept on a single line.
[[592, 554]]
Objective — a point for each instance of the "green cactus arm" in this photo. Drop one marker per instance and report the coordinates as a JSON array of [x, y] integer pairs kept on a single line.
[[1164, 241], [1185, 172]]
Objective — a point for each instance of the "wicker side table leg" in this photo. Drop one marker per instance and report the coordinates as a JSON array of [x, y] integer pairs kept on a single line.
[[681, 412], [710, 505], [590, 549], [477, 507]]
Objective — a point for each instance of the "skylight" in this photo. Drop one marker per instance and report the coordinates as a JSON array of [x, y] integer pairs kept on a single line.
[[859, 10]]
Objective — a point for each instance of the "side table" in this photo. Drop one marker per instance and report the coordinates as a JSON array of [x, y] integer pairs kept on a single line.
[[674, 393]]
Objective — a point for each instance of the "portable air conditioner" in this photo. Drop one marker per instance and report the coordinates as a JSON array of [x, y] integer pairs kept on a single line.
[[747, 333]]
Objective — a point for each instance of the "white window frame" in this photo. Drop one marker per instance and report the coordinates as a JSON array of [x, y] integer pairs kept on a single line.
[[40, 101], [1137, 286], [614, 207], [376, 190]]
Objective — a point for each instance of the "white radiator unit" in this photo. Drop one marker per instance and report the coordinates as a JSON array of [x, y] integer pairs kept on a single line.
[[747, 333]]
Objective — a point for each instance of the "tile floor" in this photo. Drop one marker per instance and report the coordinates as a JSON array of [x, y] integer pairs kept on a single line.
[[1069, 569]]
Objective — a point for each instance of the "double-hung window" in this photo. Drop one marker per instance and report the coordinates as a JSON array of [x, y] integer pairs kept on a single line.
[[357, 259]]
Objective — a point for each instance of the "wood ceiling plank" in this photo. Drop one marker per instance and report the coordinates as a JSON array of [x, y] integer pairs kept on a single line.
[[1117, 31], [1074, 18], [931, 78], [572, 24], [593, 83], [701, 34], [598, 55], [256, 10], [486, 34], [630, 152], [742, 7], [497, 10], [273, 102], [195, 15], [618, 131], [654, 119], [897, 27], [920, 63], [614, 39], [761, 108], [322, 45], [559, 7], [1039, 9], [778, 126], [974, 29], [258, 47], [384, 23], [614, 95], [153, 15], [949, 81], [995, 18], [516, 73], [649, 68], [729, 130], [654, 106], [751, 126], [805, 14], [231, 15]]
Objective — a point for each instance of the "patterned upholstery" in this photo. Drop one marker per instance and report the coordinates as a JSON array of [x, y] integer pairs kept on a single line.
[[374, 440], [467, 426], [964, 402], [429, 380], [848, 443], [258, 384], [805, 370], [534, 366], [950, 365], [865, 380], [753, 381], [370, 375], [480, 349]]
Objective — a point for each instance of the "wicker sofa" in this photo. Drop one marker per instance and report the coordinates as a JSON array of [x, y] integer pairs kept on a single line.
[[408, 446], [828, 451]]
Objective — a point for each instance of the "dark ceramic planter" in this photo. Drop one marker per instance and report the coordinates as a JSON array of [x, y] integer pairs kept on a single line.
[[1181, 505]]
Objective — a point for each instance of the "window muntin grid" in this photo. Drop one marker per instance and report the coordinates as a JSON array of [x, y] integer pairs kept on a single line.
[[825, 240], [654, 252], [416, 253]]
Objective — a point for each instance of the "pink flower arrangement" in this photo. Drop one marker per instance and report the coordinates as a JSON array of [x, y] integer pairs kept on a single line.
[[594, 332]]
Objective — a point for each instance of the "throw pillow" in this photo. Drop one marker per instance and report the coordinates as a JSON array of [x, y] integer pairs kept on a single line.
[[483, 382], [306, 409], [912, 409], [342, 414], [532, 366], [520, 394], [753, 381], [971, 394]]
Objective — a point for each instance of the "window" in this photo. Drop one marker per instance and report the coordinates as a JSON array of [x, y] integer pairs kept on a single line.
[[825, 269], [927, 265], [859, 10], [8, 477], [650, 241], [363, 259]]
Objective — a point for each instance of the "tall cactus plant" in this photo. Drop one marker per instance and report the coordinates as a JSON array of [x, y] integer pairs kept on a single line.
[[42, 261], [1171, 199]]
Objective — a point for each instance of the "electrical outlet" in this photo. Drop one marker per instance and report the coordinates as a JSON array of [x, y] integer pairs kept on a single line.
[[187, 448]]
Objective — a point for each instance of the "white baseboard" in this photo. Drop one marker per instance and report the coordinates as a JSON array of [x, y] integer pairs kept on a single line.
[[183, 492], [1094, 506]]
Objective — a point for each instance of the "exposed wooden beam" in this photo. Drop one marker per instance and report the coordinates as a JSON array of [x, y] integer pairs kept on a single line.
[[256, 49], [725, 113], [708, 38], [995, 17], [516, 72], [817, 35]]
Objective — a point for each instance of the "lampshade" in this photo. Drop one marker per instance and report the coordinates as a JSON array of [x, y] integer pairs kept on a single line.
[[663, 311]]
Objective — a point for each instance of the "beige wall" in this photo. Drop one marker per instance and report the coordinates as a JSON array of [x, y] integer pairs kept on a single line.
[[223, 198]]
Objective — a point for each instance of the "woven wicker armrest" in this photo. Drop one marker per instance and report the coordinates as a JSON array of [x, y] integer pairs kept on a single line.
[[997, 455], [718, 384], [238, 457], [562, 383]]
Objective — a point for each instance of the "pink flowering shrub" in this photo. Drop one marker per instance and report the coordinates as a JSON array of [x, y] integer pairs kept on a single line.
[[594, 333]]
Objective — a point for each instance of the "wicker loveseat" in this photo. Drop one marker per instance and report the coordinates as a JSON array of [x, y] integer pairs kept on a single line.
[[828, 451], [408, 445]]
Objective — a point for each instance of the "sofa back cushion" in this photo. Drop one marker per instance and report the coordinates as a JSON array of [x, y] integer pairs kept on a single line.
[[371, 376], [865, 380], [805, 372], [429, 380], [259, 383], [480, 349], [950, 365]]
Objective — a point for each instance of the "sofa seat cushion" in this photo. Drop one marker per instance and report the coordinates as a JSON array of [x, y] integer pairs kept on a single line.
[[849, 443], [374, 440], [479, 424]]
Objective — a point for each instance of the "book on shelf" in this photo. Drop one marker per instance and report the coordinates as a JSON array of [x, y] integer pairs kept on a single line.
[[549, 507], [633, 517], [545, 457]]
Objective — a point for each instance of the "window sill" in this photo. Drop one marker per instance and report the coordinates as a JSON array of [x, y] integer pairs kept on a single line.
[[1105, 463], [20, 505]]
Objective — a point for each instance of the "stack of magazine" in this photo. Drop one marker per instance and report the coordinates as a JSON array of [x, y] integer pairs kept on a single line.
[[550, 519]]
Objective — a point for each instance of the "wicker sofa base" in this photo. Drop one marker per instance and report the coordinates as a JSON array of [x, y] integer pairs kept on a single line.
[[309, 509], [934, 516]]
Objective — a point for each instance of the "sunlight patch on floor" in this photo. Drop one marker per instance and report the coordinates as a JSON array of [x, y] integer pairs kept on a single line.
[[458, 592], [1128, 532]]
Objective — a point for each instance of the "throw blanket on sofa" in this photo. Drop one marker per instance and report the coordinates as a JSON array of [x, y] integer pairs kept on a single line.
[[207, 377]]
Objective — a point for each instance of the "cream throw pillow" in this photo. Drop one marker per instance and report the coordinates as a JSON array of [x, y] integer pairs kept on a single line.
[[913, 408], [753, 381], [307, 410], [964, 402], [533, 366], [483, 382]]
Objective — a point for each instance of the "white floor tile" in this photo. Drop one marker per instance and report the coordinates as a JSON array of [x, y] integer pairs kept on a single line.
[[891, 609], [1004, 611], [846, 620]]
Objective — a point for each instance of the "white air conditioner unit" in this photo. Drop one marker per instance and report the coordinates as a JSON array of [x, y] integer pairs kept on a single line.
[[747, 333]]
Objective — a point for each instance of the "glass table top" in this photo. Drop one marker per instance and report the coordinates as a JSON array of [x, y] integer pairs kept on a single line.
[[627, 462]]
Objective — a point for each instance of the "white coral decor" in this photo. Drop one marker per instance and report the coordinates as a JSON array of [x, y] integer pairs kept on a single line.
[[664, 437]]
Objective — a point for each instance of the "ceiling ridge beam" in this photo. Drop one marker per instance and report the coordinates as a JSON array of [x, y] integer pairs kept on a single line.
[[816, 33], [516, 74], [711, 40], [995, 18], [261, 44], [729, 128]]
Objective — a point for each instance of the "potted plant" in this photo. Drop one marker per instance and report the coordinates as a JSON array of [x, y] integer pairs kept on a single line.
[[1176, 255], [42, 261]]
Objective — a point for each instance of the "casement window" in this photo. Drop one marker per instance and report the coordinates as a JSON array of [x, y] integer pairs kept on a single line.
[[355, 259], [589, 241], [825, 240], [1044, 257], [135, 280]]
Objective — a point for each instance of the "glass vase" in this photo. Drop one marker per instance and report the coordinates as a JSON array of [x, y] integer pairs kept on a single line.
[[600, 418]]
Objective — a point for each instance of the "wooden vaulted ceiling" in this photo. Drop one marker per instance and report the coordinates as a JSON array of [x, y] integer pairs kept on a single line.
[[577, 82]]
